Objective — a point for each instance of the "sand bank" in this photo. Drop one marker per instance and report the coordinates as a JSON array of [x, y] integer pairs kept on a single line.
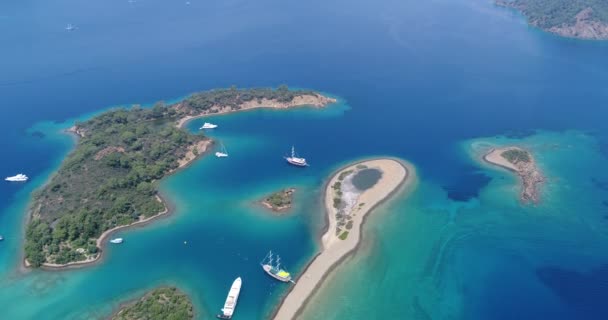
[[334, 247]]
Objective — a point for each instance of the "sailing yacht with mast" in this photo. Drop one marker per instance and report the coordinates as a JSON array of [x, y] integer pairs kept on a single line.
[[223, 153], [296, 161], [273, 268], [231, 299]]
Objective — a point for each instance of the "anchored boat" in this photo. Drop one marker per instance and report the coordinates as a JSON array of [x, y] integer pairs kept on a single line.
[[18, 178], [223, 153], [208, 125], [116, 241], [272, 267], [231, 299], [296, 161]]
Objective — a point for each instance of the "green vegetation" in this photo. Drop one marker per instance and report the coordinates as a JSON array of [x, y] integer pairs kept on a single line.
[[516, 155], [349, 225], [553, 13], [343, 235], [337, 203], [160, 304], [344, 174], [109, 180], [280, 200], [233, 98]]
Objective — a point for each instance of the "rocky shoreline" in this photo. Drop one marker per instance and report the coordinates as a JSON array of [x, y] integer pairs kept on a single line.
[[584, 25], [521, 162], [279, 202], [314, 100]]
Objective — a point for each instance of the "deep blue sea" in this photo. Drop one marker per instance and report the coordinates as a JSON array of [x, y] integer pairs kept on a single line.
[[433, 82]]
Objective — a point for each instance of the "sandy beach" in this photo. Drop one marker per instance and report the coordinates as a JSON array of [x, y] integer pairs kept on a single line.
[[334, 248], [299, 101]]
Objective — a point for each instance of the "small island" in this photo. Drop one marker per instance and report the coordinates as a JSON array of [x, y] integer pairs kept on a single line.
[[520, 161], [351, 194], [109, 181], [279, 201], [582, 19], [160, 304]]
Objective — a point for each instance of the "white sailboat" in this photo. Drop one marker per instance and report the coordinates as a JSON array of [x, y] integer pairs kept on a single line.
[[116, 241], [18, 178], [231, 300], [208, 125], [296, 161], [223, 153]]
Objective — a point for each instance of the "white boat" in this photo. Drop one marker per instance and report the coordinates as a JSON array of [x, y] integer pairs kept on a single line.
[[18, 178], [294, 160], [272, 266], [231, 299], [70, 27], [223, 153], [116, 241], [1, 238], [208, 125]]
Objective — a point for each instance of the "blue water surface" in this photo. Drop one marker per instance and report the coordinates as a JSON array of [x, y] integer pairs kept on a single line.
[[414, 80]]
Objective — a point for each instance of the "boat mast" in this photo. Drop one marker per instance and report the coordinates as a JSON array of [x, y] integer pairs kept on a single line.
[[278, 263], [293, 152]]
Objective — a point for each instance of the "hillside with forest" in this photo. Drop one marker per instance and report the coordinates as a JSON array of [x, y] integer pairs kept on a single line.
[[165, 303], [110, 178], [584, 19]]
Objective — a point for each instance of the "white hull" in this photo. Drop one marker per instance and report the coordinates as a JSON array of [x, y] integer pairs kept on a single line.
[[221, 155], [208, 125], [116, 241], [299, 162], [231, 300], [18, 178]]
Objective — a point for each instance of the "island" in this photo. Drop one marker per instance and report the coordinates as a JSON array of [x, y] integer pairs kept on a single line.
[[279, 201], [520, 161], [583, 19], [160, 304], [350, 195], [109, 181]]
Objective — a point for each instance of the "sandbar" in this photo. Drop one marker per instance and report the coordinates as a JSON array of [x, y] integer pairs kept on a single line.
[[335, 247]]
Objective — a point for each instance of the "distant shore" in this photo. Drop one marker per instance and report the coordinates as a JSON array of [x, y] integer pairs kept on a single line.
[[314, 100], [395, 176]]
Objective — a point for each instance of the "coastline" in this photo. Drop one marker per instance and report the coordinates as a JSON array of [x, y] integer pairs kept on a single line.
[[317, 101], [278, 210], [201, 148], [101, 243], [529, 175], [333, 254]]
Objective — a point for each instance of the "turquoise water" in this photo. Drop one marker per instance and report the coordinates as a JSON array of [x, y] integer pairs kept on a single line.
[[429, 257], [432, 82]]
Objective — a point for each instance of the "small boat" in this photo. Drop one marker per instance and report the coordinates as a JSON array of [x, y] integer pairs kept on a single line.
[[70, 27], [273, 268], [1, 238], [294, 160], [208, 125], [18, 178], [231, 299], [116, 241], [223, 153]]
